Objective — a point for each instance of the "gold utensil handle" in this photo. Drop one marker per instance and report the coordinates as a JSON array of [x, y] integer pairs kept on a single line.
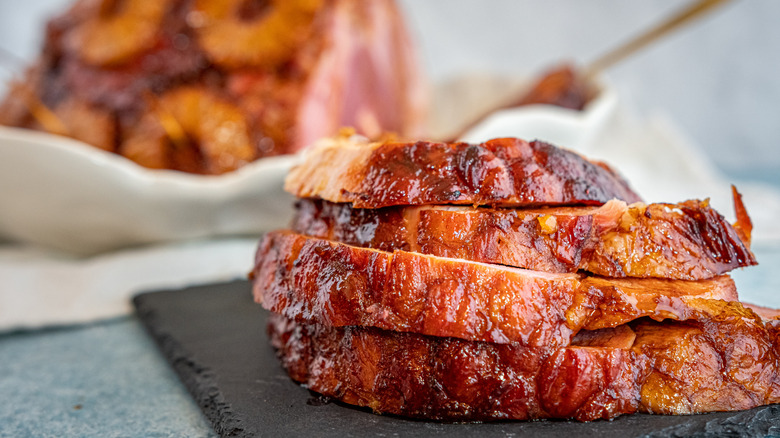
[[691, 12]]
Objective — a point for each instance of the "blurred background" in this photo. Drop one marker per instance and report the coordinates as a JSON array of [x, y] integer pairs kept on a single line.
[[717, 79]]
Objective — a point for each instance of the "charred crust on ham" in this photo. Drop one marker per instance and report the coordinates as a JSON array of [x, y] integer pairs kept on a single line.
[[412, 292], [671, 367], [686, 241], [500, 172]]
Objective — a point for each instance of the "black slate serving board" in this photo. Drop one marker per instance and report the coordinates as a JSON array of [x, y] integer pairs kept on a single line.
[[214, 337]]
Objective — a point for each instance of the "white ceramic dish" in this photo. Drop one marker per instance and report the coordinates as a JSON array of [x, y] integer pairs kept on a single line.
[[67, 195], [64, 194], [563, 127]]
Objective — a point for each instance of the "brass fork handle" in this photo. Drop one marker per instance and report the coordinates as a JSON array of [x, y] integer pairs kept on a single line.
[[693, 11]]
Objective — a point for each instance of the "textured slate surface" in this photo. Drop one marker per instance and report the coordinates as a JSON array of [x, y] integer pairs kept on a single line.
[[214, 337]]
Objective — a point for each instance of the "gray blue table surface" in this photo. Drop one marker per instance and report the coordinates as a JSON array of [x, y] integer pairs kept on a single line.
[[108, 379], [99, 380]]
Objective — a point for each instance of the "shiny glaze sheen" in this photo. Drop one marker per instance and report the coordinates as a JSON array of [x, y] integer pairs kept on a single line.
[[687, 240], [724, 359], [684, 241], [452, 379], [728, 359], [335, 284], [505, 171]]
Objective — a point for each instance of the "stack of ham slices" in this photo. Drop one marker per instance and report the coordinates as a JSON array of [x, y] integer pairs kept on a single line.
[[508, 280]]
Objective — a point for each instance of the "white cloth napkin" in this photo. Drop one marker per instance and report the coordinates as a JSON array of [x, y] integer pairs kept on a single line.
[[41, 288]]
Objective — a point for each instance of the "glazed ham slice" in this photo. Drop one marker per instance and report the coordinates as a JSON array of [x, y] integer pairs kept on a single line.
[[726, 359], [684, 241], [453, 379], [500, 172], [312, 279]]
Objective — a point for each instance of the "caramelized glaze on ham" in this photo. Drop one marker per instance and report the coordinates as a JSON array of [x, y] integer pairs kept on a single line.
[[506, 172], [452, 379], [313, 279], [724, 359], [684, 241]]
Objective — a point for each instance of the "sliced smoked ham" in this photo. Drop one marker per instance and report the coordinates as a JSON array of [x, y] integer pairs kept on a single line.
[[684, 241], [453, 379], [312, 279], [725, 359], [499, 172]]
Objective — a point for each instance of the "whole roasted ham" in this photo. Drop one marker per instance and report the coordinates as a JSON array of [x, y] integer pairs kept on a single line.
[[206, 86], [508, 280]]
